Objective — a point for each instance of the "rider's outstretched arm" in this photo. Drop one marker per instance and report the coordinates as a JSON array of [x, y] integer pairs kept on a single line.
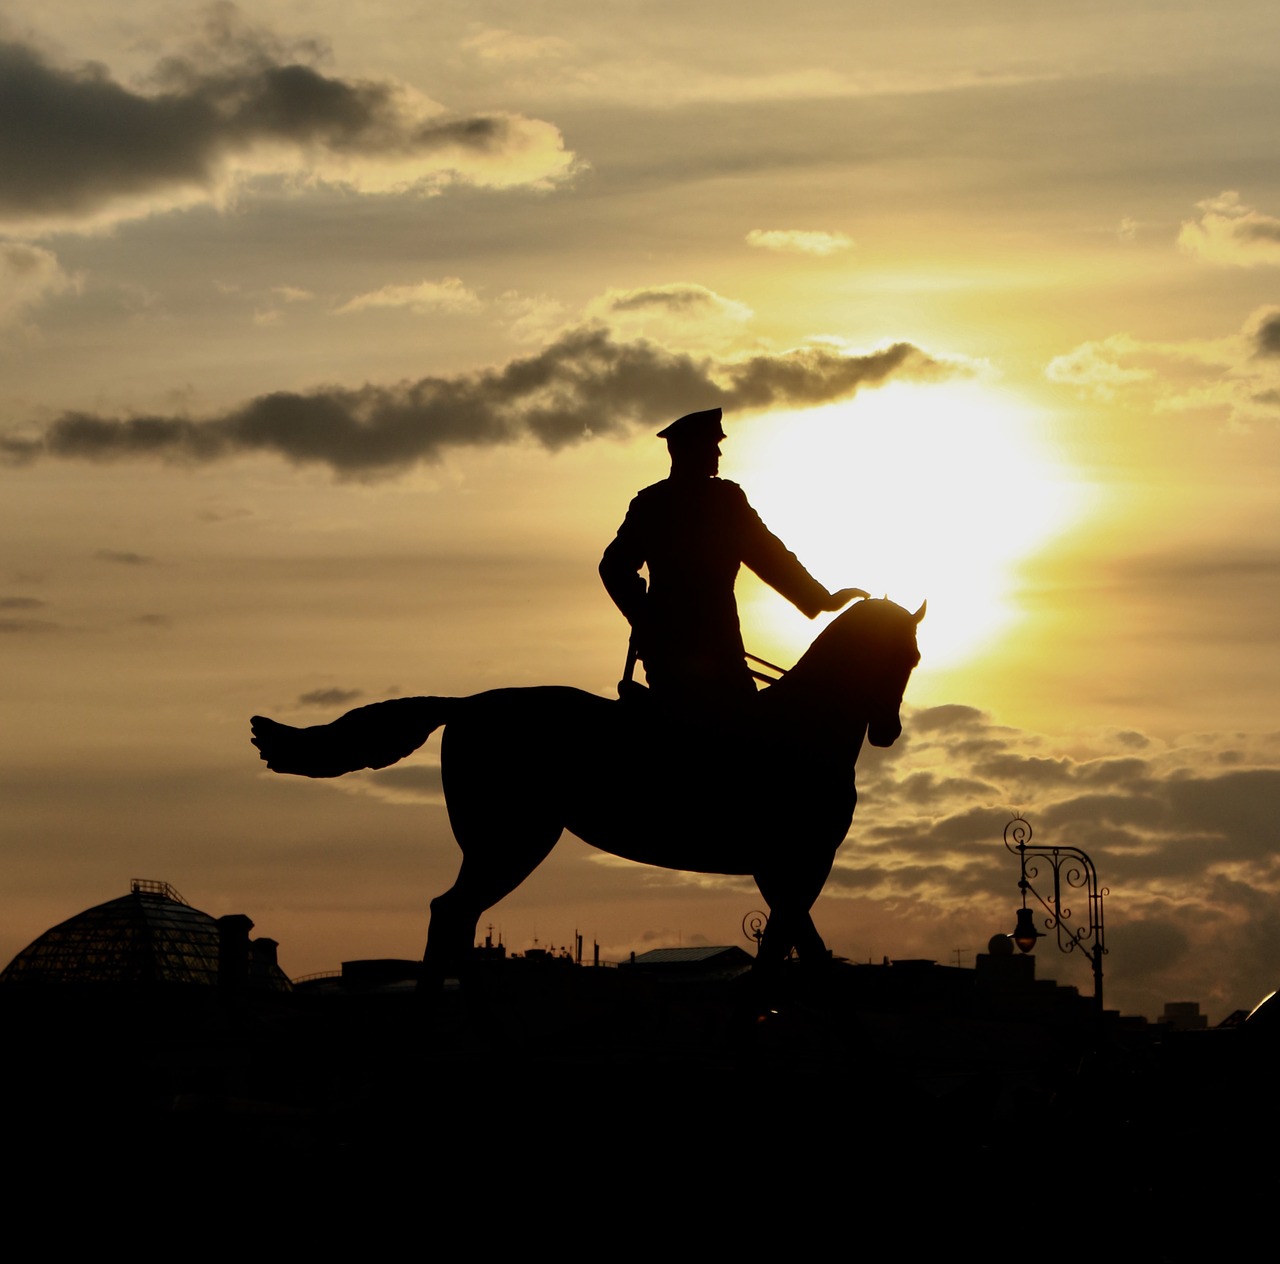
[[765, 554]]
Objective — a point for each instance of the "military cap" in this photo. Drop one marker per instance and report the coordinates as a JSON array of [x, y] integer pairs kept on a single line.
[[703, 427]]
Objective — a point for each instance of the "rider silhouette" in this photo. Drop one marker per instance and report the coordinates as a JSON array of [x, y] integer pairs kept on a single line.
[[692, 531]]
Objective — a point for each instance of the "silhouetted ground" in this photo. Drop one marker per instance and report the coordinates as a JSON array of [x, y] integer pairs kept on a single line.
[[607, 1081]]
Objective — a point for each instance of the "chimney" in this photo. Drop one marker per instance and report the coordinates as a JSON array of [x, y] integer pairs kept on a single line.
[[266, 951], [233, 950]]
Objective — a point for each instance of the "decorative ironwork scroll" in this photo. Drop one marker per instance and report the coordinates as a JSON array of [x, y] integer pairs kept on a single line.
[[1062, 871]]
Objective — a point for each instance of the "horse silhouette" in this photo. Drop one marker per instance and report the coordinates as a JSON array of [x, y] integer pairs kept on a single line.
[[770, 793]]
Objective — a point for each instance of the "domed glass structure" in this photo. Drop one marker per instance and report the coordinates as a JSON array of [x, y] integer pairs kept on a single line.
[[151, 935]]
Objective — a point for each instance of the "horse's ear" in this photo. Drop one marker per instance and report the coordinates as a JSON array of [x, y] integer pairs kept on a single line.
[[919, 614]]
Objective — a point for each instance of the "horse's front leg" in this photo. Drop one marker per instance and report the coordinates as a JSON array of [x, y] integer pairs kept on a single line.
[[788, 929], [790, 896], [809, 945]]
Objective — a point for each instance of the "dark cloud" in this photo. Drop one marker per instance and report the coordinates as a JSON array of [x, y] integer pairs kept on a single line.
[[586, 383], [421, 779], [1266, 333], [1127, 737], [1131, 807], [70, 139], [27, 625], [1260, 229], [1149, 946], [1255, 932], [1106, 772], [951, 716], [1239, 805], [153, 620], [670, 298], [818, 374], [924, 787], [1027, 771], [329, 697], [959, 829], [21, 603], [123, 557], [73, 140]]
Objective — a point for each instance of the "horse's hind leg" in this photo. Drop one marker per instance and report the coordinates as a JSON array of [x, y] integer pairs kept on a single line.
[[489, 873]]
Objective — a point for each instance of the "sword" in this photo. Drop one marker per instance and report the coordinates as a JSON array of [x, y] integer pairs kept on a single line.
[[629, 670]]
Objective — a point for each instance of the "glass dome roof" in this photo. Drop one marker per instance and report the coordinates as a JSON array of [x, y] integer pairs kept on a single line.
[[151, 935]]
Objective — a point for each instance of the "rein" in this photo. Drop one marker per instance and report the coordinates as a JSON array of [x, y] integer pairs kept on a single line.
[[764, 662], [628, 672]]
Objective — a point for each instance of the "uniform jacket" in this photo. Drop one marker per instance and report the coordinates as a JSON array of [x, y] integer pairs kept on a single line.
[[693, 534]]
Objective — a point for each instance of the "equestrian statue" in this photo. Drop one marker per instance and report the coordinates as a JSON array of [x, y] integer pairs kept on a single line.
[[768, 792]]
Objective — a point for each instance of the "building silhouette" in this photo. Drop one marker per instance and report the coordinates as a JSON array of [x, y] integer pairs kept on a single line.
[[149, 937]]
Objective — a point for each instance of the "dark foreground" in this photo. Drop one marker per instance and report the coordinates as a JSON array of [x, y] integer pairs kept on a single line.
[[598, 1081]]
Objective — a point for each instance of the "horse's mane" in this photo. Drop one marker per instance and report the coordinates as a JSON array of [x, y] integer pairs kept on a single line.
[[861, 636], [865, 644]]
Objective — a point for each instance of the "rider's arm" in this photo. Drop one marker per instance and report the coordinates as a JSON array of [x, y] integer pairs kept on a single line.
[[765, 554], [620, 567]]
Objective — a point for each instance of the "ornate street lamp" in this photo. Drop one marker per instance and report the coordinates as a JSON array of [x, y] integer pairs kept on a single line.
[[1025, 933], [1071, 868]]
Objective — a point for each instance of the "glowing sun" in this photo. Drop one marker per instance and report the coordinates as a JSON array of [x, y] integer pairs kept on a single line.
[[916, 492]]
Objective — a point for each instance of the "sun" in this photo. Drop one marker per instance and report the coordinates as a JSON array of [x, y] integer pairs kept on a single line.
[[914, 492]]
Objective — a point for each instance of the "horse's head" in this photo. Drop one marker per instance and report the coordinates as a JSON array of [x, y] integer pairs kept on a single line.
[[893, 656], [860, 665]]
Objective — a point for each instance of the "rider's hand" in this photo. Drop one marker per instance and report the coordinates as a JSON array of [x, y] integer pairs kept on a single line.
[[838, 600]]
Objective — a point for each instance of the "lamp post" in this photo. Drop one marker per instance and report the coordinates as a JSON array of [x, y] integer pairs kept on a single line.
[[1072, 869]]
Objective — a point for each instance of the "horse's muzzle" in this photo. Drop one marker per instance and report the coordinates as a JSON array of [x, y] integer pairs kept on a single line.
[[884, 732]]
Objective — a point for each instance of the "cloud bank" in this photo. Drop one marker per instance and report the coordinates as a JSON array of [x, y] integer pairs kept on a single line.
[[29, 275], [680, 312], [1094, 367], [1181, 834], [798, 241], [445, 295], [681, 298], [584, 384], [79, 149], [329, 697], [1230, 232], [1236, 376]]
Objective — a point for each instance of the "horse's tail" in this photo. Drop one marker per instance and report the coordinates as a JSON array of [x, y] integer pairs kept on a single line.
[[368, 737]]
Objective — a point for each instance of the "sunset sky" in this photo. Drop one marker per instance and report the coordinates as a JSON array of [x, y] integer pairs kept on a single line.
[[333, 341]]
